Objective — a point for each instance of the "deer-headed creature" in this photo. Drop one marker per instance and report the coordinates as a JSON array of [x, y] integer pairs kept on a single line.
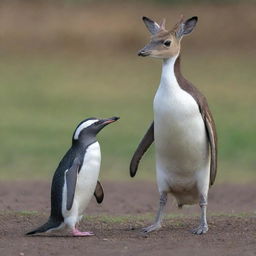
[[183, 128]]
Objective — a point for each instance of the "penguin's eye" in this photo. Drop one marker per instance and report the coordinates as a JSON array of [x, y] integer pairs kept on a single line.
[[98, 122], [167, 43]]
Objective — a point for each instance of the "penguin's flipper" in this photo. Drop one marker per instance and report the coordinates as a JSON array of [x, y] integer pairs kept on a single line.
[[141, 149], [71, 178], [99, 193]]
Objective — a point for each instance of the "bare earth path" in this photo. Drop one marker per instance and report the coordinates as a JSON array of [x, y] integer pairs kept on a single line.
[[127, 207]]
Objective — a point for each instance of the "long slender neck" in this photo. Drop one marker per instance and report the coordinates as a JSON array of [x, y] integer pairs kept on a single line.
[[168, 77]]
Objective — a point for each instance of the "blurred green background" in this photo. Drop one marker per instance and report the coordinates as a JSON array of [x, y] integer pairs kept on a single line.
[[63, 61]]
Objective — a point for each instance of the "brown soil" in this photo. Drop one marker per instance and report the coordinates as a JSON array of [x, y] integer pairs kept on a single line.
[[231, 217]]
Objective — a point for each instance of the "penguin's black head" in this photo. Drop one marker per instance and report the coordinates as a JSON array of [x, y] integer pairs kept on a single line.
[[91, 126]]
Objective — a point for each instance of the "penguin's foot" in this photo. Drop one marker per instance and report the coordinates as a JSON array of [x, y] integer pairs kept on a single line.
[[151, 228], [202, 229], [76, 232]]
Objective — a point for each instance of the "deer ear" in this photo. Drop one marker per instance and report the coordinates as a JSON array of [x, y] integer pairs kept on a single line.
[[186, 27], [151, 25]]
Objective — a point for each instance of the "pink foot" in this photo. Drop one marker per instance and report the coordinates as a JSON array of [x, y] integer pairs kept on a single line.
[[76, 232]]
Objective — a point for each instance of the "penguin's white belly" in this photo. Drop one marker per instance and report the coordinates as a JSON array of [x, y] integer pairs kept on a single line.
[[86, 182], [88, 176], [181, 144]]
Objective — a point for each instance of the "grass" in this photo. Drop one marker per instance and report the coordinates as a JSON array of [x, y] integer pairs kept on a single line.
[[42, 99], [119, 219], [24, 213], [27, 213], [148, 217]]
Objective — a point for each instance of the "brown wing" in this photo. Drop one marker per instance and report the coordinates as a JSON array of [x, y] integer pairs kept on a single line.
[[212, 136], [141, 149], [206, 115], [210, 130]]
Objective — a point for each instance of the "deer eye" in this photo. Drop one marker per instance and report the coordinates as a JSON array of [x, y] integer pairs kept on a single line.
[[167, 43]]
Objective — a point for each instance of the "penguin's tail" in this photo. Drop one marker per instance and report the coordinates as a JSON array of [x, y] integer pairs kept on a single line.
[[50, 224]]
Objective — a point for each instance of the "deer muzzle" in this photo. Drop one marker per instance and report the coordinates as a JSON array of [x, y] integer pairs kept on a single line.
[[143, 53]]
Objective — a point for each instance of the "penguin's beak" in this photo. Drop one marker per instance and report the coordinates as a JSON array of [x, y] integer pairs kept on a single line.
[[110, 120]]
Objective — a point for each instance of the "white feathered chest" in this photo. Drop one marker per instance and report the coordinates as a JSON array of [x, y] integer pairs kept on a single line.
[[179, 130]]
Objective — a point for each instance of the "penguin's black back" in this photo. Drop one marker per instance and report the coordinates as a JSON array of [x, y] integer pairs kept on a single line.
[[76, 151]]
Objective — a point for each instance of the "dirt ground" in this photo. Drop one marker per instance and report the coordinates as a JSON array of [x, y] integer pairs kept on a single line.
[[127, 207]]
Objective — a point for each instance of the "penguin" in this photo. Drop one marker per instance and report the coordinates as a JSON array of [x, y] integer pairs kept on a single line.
[[76, 179], [183, 128]]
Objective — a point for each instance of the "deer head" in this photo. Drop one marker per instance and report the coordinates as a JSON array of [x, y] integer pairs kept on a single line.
[[166, 43]]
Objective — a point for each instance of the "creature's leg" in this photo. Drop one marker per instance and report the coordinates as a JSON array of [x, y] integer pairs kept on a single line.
[[159, 216], [203, 226]]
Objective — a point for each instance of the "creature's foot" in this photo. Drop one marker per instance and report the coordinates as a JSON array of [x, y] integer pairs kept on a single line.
[[151, 228], [202, 229], [76, 232]]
